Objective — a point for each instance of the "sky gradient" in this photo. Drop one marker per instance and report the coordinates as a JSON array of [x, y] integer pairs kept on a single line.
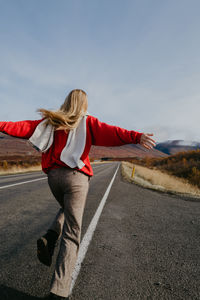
[[138, 61]]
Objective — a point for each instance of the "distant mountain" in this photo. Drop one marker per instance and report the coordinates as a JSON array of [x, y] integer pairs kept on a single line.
[[11, 148], [174, 146]]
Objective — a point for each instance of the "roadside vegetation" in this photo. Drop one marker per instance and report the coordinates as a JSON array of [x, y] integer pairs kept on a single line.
[[16, 164], [185, 165], [179, 173]]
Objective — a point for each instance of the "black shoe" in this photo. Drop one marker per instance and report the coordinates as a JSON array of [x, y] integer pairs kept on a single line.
[[45, 247], [56, 297]]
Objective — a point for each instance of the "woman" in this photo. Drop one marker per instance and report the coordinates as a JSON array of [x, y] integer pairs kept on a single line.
[[65, 137]]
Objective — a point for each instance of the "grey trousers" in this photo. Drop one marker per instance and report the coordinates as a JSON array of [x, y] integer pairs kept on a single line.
[[70, 189]]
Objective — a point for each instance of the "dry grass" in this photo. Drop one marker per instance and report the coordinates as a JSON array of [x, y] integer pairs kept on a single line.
[[158, 180], [18, 169], [100, 162]]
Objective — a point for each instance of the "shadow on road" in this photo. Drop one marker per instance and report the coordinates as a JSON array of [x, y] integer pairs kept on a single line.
[[7, 293]]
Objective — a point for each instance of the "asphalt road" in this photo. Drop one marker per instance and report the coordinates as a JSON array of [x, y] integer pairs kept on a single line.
[[146, 244]]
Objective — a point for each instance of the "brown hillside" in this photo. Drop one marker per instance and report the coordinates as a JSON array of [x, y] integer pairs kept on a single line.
[[10, 146], [126, 151], [18, 149], [14, 151], [183, 164]]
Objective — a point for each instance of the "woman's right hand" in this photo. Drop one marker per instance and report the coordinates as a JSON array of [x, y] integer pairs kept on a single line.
[[146, 141]]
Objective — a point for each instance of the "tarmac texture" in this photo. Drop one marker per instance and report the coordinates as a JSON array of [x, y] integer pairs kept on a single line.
[[146, 244]]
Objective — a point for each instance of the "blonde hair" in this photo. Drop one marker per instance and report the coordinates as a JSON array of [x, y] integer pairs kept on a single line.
[[70, 112]]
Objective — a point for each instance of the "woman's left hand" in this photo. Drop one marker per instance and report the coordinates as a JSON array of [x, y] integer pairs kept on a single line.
[[146, 141]]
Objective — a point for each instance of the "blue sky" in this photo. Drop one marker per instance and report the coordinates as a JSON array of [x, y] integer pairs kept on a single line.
[[138, 61]]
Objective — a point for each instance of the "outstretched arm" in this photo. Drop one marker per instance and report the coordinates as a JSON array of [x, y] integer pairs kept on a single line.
[[104, 134], [107, 135], [21, 129]]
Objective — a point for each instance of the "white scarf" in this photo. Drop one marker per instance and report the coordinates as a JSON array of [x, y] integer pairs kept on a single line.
[[43, 137]]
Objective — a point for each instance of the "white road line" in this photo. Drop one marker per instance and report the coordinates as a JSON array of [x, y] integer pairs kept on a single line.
[[10, 185], [19, 174], [88, 235]]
